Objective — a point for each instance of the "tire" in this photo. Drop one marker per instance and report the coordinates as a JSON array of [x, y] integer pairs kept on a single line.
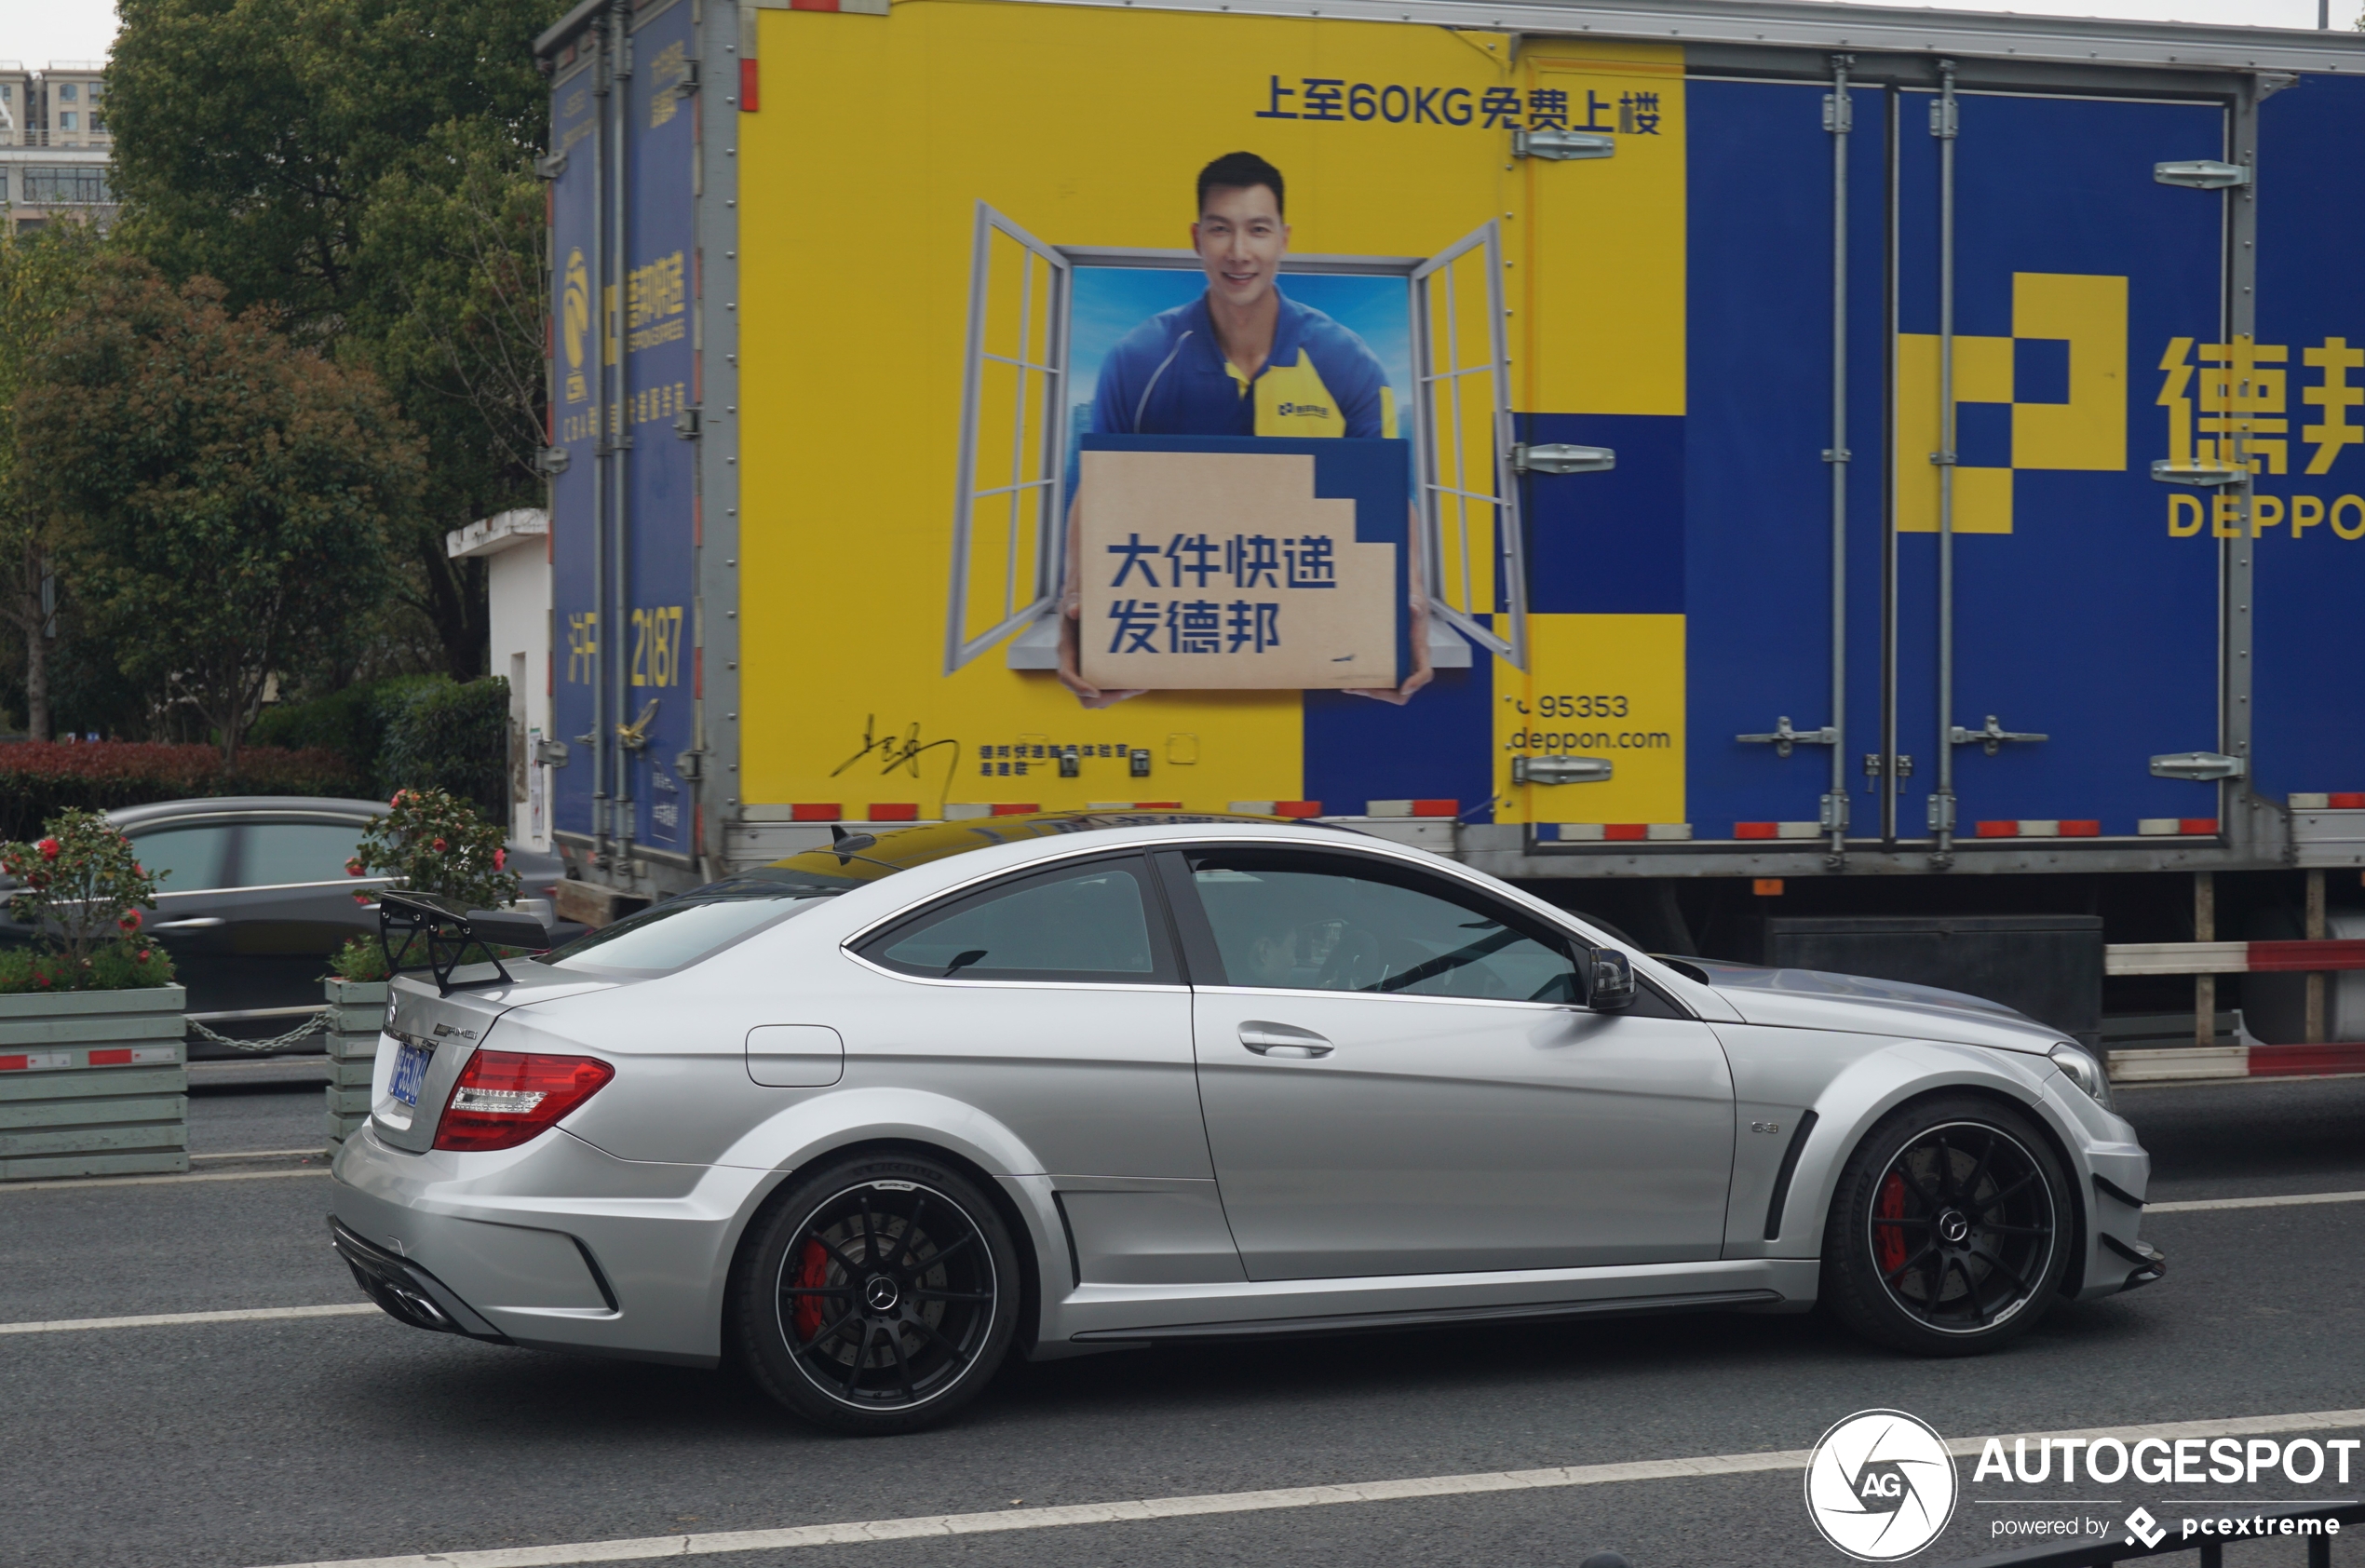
[[1949, 1231], [878, 1295]]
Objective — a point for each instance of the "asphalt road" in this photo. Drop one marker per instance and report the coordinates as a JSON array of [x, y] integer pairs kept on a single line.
[[242, 1445]]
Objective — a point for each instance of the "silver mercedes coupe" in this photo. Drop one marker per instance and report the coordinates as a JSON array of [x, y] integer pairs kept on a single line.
[[870, 1118]]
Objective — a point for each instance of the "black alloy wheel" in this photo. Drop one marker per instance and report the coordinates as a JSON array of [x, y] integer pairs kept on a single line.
[[882, 1296], [1950, 1230]]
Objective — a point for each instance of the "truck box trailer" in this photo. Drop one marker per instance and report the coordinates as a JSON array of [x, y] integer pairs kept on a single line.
[[1704, 444]]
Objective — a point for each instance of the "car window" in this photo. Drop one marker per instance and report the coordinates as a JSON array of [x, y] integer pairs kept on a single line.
[[1076, 924], [1313, 922], [185, 860], [279, 852]]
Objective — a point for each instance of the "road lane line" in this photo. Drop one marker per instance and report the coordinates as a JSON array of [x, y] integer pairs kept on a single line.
[[154, 1181], [259, 1153], [169, 1320], [2192, 1206], [859, 1532]]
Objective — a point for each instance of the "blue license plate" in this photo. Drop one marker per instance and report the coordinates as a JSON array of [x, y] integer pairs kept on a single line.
[[409, 1071]]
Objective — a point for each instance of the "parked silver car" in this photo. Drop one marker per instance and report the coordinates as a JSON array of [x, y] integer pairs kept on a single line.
[[870, 1117]]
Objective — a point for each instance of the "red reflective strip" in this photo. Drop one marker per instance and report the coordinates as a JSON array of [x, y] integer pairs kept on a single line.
[[1157, 805], [815, 811], [1007, 810], [2199, 825], [1626, 829], [1755, 830], [1999, 830], [1297, 808], [895, 813], [2303, 958], [1437, 808], [813, 5], [15, 1063], [2082, 830], [749, 88], [2280, 1061], [2345, 802], [111, 1059]]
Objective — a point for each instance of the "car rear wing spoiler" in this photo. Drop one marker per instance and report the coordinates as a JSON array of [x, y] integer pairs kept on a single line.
[[448, 932]]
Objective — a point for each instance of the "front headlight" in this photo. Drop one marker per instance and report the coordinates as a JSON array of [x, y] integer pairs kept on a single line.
[[2084, 1069]]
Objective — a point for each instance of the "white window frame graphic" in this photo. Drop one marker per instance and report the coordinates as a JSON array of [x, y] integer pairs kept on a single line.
[[1440, 476], [1038, 485], [1048, 479]]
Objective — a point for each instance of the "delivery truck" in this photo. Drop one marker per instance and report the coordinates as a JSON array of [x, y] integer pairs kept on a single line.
[[1722, 464]]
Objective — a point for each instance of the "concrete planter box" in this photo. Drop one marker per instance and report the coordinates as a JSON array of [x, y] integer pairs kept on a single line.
[[93, 1082], [356, 1017]]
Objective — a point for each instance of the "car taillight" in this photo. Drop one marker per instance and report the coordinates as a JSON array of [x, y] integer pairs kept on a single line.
[[503, 1098]]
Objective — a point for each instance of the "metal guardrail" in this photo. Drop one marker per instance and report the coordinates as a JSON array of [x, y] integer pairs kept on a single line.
[[2120, 1548]]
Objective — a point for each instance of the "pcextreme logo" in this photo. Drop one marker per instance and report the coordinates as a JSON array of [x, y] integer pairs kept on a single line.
[[1880, 1485], [574, 323]]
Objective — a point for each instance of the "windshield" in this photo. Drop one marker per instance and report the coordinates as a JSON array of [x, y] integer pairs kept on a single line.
[[686, 930]]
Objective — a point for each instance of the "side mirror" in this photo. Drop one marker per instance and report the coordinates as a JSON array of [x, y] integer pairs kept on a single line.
[[1609, 980]]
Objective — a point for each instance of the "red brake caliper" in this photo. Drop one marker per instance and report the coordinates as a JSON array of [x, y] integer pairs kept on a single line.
[[813, 1272], [1889, 1241]]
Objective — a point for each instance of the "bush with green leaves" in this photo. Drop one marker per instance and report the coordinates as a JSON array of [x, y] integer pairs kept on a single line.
[[429, 841], [81, 887]]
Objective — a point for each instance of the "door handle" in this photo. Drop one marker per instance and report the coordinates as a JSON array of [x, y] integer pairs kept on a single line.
[[199, 922], [1281, 1039]]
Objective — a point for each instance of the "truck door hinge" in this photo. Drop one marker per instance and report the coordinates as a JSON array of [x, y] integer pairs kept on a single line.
[[1874, 769], [1561, 145], [1991, 739], [2201, 767], [552, 459], [550, 753], [689, 764], [1560, 458], [1839, 115], [686, 424], [1561, 770], [551, 167], [1784, 738], [2201, 174]]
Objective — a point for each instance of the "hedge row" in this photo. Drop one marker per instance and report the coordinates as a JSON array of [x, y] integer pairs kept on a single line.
[[410, 732], [37, 780]]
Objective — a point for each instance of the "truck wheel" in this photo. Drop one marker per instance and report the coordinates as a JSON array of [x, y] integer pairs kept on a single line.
[[1949, 1231], [879, 1296]]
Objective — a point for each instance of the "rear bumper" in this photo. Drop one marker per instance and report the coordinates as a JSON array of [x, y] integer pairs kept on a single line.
[[406, 1291]]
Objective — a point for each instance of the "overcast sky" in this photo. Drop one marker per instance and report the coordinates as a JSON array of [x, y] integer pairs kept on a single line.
[[39, 31]]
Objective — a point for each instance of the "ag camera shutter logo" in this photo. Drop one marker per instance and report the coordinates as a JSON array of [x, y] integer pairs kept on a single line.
[[1880, 1485]]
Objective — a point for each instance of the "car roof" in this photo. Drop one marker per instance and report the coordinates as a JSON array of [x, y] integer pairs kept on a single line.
[[244, 805], [858, 857]]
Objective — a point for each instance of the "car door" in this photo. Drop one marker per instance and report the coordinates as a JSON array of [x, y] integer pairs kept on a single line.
[[294, 903], [1398, 1076], [191, 860]]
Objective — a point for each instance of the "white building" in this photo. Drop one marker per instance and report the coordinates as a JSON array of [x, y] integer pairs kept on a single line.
[[515, 548], [54, 144]]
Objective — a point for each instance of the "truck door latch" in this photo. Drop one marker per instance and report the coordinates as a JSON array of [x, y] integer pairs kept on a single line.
[[2199, 766], [1560, 458], [1784, 738], [1991, 739]]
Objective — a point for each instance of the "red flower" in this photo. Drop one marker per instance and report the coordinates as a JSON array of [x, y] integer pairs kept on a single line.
[[138, 869], [500, 859], [440, 847], [361, 897], [130, 921], [141, 956], [353, 867], [398, 795], [49, 847]]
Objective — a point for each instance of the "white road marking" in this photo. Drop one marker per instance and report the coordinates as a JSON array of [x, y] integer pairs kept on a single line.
[[260, 1153], [169, 1320], [859, 1532], [2192, 1206], [154, 1180]]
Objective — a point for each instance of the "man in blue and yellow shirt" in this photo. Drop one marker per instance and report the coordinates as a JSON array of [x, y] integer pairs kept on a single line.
[[1241, 359]]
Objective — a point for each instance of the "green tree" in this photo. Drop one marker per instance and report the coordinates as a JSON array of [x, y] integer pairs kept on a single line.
[[223, 496], [43, 273], [366, 167]]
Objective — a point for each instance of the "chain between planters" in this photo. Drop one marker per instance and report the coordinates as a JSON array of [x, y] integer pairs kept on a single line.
[[311, 1026]]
